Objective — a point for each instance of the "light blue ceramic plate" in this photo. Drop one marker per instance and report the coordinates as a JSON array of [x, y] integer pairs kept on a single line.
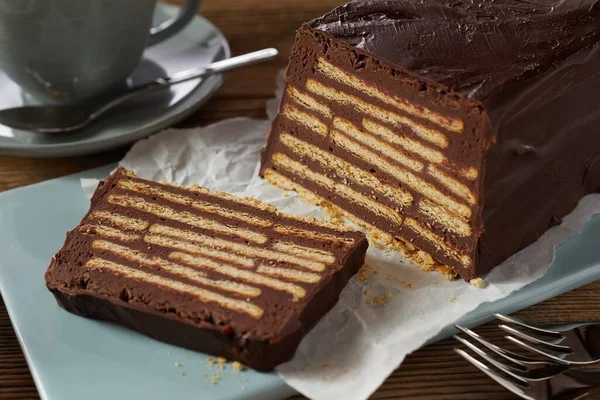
[[199, 43], [73, 358]]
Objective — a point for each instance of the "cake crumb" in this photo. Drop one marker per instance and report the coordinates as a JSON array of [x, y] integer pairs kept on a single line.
[[214, 379], [326, 365], [447, 272], [380, 300], [211, 361], [238, 366], [177, 364], [478, 283], [345, 371], [222, 360], [362, 273], [221, 367], [285, 195], [182, 373], [424, 258], [452, 299], [366, 291], [391, 278]]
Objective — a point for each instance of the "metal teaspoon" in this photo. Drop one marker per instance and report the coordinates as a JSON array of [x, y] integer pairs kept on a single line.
[[68, 118]]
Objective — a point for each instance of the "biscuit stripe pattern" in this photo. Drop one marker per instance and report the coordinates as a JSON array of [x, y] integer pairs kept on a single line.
[[198, 293], [401, 170], [185, 241]]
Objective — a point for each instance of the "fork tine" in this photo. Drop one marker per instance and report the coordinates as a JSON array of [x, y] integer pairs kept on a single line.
[[517, 359], [546, 370], [538, 342], [548, 355], [520, 322], [500, 365], [489, 372]]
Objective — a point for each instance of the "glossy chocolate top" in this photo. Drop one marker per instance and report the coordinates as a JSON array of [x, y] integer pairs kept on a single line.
[[475, 47]]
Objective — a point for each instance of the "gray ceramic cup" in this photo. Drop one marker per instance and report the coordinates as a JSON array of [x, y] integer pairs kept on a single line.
[[69, 50]]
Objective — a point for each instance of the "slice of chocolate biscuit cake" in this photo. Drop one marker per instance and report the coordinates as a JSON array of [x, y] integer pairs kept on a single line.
[[462, 129], [204, 270]]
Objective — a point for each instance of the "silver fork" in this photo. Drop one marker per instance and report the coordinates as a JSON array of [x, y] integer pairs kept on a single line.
[[568, 385], [571, 344]]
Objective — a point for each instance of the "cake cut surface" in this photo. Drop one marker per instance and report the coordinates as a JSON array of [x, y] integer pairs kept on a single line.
[[461, 128], [204, 270]]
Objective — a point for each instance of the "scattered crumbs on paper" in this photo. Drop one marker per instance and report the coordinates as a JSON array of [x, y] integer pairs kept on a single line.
[[211, 361], [378, 299], [177, 364], [362, 273], [182, 373], [238, 366], [222, 360], [364, 270], [478, 283], [214, 378], [374, 269], [366, 291], [285, 195], [447, 272], [335, 375], [452, 299], [325, 365], [221, 367], [397, 281]]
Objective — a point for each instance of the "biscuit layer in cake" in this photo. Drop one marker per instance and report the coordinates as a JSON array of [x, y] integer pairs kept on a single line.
[[205, 270], [462, 129]]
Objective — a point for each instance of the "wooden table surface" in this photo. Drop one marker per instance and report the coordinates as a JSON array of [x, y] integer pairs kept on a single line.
[[434, 372]]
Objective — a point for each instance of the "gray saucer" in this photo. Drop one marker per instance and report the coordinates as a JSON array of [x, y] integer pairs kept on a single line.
[[198, 44]]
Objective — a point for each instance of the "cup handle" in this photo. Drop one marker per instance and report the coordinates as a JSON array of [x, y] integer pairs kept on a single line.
[[175, 24]]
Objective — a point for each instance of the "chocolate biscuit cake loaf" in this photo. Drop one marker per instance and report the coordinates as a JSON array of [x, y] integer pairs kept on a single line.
[[463, 128], [204, 270]]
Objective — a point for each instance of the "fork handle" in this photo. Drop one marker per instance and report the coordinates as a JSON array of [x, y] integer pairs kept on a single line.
[[576, 384], [584, 377], [578, 394]]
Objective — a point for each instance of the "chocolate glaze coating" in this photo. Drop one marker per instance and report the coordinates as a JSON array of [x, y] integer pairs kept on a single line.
[[532, 65], [477, 48]]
